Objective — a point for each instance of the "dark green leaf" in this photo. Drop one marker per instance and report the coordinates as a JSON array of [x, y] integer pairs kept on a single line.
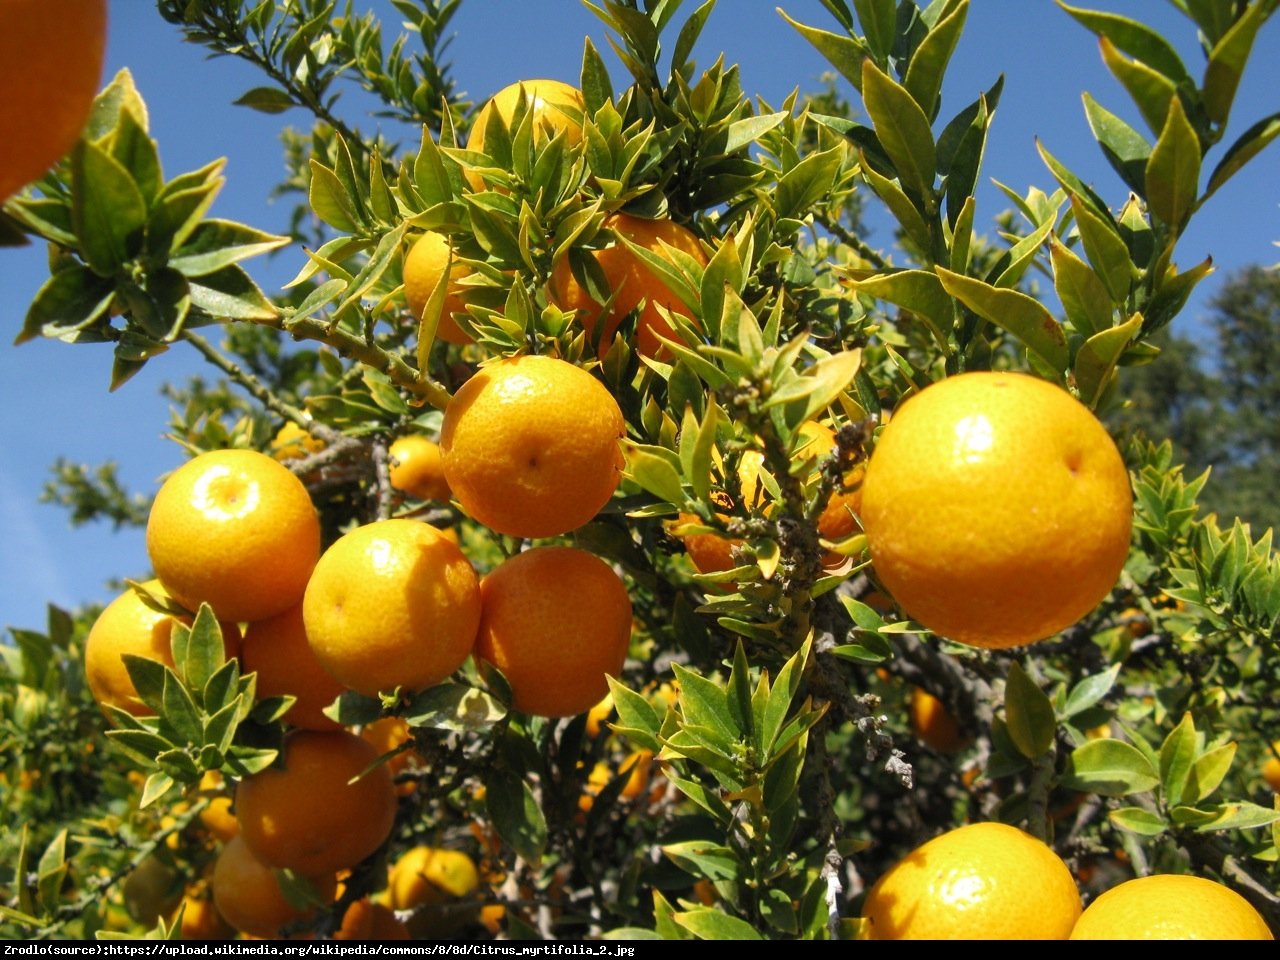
[[596, 86], [107, 209], [515, 813], [136, 152], [1111, 768], [266, 100], [1124, 147], [902, 129], [230, 294], [899, 204], [1173, 170], [72, 299], [929, 62], [203, 650], [1104, 248], [919, 291], [1247, 146], [879, 21], [1029, 716], [147, 677], [1177, 757], [1021, 315], [454, 706], [782, 694], [1097, 358], [705, 703]]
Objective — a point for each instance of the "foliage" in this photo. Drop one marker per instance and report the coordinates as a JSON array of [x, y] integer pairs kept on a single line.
[[772, 696]]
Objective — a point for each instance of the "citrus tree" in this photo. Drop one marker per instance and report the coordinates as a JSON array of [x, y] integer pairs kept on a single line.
[[599, 537]]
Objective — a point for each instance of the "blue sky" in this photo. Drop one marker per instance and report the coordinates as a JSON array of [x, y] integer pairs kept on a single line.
[[54, 396]]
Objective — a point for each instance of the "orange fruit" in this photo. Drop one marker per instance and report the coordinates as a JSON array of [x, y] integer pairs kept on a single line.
[[425, 875], [931, 722], [129, 626], [557, 108], [556, 621], [424, 265], [236, 530], [217, 816], [291, 442], [201, 919], [531, 446], [417, 468], [631, 282], [307, 816], [1171, 907], [366, 920], [51, 54], [276, 649], [997, 509], [392, 603], [1271, 769], [984, 881], [247, 892], [386, 735], [598, 716]]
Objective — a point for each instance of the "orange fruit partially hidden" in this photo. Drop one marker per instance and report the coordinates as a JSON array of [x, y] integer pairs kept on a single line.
[[217, 816], [277, 650], [247, 892], [984, 881], [367, 920], [557, 107], [1171, 907], [425, 875], [236, 530], [417, 468], [556, 621], [531, 446], [931, 722], [631, 282], [307, 816], [425, 263], [392, 603], [386, 734], [997, 509], [1271, 769], [129, 626], [51, 54], [291, 442]]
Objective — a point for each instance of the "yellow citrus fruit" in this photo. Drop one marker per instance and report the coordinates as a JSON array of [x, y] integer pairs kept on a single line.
[[630, 281], [417, 468], [386, 735], [217, 816], [531, 446], [392, 603], [1171, 907], [291, 442], [247, 892], [201, 919], [1271, 769], [984, 881], [51, 54], [599, 715], [366, 920], [307, 816], [236, 530], [931, 722], [277, 650], [997, 509], [129, 626], [424, 265], [429, 874], [557, 108], [555, 621]]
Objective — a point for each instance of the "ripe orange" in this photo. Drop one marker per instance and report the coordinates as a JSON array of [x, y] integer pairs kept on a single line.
[[307, 816], [129, 626], [276, 649], [417, 468], [931, 722], [291, 442], [247, 892], [1171, 907], [385, 735], [217, 816], [392, 603], [51, 54], [531, 446], [430, 874], [234, 529], [983, 881], [631, 281], [557, 108], [201, 919], [424, 265], [997, 509], [555, 621], [1271, 769], [366, 920]]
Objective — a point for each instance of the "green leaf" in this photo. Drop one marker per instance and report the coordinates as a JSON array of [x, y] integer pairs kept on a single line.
[[352, 708], [663, 913], [1135, 39], [136, 152], [198, 652], [1097, 358], [707, 923], [1246, 147], [1124, 147], [783, 693], [708, 800], [1150, 90], [820, 384], [454, 706], [635, 712], [1137, 820], [1226, 64], [52, 870], [1090, 691], [899, 204], [1177, 756], [738, 694], [879, 21], [929, 62], [157, 785], [654, 474], [1084, 297], [107, 209], [1021, 315], [72, 299], [705, 703], [515, 813], [266, 100], [703, 858], [919, 291], [1109, 767], [384, 393], [180, 207], [846, 54], [230, 294], [1173, 170], [1239, 816], [215, 244], [1104, 248], [902, 129], [1029, 714], [330, 200], [1209, 771], [147, 677], [630, 933]]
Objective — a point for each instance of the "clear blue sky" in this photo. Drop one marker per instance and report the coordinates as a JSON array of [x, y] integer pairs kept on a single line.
[[54, 396]]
